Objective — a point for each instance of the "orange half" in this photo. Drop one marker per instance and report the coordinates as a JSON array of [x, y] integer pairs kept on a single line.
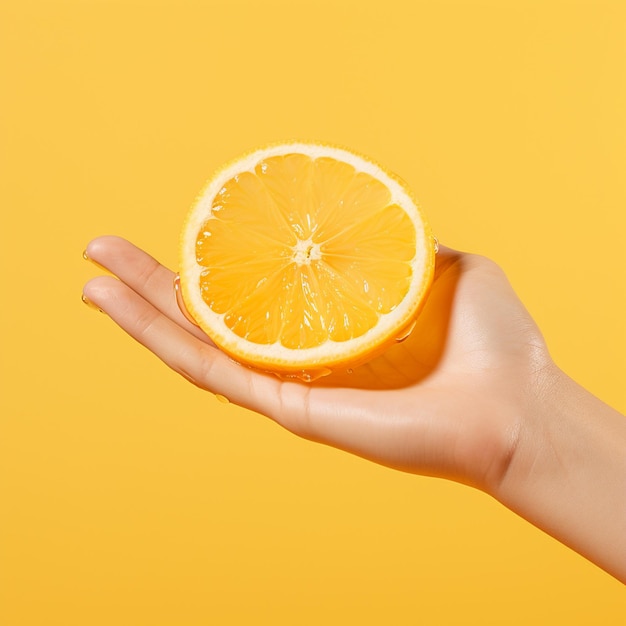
[[301, 258]]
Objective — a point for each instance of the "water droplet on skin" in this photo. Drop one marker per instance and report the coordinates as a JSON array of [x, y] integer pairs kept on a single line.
[[222, 399], [180, 302]]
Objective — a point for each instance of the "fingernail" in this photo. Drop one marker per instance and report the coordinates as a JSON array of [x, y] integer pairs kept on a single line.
[[90, 304]]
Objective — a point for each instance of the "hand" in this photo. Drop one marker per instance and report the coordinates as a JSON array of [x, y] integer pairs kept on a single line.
[[444, 402], [472, 395]]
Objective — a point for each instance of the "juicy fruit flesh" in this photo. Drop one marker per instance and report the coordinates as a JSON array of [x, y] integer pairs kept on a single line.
[[304, 250]]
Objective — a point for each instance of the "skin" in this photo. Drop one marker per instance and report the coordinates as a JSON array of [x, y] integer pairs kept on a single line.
[[472, 395]]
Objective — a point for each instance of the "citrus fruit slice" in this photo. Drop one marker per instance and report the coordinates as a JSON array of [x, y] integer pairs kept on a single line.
[[300, 258]]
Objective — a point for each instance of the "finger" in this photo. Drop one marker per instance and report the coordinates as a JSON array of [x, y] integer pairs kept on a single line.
[[202, 364], [209, 368], [144, 275], [206, 366]]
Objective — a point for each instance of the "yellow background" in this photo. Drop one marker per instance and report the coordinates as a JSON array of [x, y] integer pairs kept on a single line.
[[127, 496]]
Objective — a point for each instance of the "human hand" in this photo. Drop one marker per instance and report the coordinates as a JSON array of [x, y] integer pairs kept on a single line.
[[447, 401], [472, 395]]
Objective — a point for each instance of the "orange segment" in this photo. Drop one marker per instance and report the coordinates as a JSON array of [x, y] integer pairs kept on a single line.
[[302, 256]]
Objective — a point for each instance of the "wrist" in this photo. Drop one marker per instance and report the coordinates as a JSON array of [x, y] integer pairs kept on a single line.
[[566, 471]]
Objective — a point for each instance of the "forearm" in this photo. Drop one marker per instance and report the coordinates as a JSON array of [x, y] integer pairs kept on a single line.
[[567, 474]]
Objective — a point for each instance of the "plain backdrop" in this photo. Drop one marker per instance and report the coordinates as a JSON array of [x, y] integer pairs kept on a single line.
[[129, 497]]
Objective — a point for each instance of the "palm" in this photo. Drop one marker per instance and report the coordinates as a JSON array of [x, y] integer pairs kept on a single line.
[[472, 346], [427, 405]]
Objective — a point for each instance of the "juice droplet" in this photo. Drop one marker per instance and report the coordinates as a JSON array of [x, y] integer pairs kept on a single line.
[[100, 267], [90, 304], [222, 399], [306, 376], [349, 371], [312, 375], [180, 302], [436, 242], [406, 332]]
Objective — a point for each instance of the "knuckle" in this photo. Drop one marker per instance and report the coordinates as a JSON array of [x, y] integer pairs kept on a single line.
[[147, 271], [204, 370]]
